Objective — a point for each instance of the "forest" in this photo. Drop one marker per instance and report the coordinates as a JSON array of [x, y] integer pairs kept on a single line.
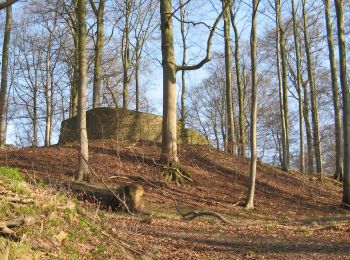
[[174, 129]]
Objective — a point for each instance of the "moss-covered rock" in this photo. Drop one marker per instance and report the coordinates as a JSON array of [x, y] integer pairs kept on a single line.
[[122, 125]]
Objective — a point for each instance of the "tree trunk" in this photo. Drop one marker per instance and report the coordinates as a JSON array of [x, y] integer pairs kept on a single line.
[[313, 92], [99, 13], [253, 116], [339, 7], [242, 135], [169, 137], [48, 96], [126, 56], [183, 72], [75, 82], [228, 83], [83, 171], [282, 81], [300, 95], [309, 140], [137, 84], [335, 91], [4, 69]]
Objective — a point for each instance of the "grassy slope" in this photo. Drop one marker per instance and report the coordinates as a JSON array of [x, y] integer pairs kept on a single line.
[[295, 216]]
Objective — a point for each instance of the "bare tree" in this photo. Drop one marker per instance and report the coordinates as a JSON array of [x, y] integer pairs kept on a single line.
[[4, 72], [83, 173], [253, 112]]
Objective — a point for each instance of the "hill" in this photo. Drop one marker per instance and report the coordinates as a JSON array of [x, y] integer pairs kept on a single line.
[[296, 216]]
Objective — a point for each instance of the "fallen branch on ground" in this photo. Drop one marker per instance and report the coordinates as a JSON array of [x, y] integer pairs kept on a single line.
[[193, 214], [18, 200], [5, 226]]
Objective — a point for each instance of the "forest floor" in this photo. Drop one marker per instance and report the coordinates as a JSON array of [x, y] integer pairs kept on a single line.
[[295, 216]]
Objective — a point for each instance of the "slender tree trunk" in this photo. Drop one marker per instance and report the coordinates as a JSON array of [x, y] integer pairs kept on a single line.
[[35, 114], [223, 124], [309, 139], [335, 91], [228, 82], [253, 116], [299, 90], [4, 69], [183, 72], [75, 83], [313, 92], [339, 7], [99, 13], [48, 96], [242, 135], [282, 86], [285, 89], [137, 84], [126, 56], [83, 171], [169, 137]]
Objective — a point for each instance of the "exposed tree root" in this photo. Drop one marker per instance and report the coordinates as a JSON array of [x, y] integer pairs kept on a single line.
[[175, 172], [5, 227], [192, 214]]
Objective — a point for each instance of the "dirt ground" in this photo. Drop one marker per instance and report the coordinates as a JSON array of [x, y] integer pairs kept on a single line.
[[295, 216]]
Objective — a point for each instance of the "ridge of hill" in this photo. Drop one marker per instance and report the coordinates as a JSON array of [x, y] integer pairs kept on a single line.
[[296, 216]]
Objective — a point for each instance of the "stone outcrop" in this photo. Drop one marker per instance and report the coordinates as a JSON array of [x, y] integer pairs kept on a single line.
[[122, 125]]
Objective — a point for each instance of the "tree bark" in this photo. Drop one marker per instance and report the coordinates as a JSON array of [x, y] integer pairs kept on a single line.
[[4, 72], [184, 57], [228, 82], [48, 95], [339, 7], [83, 171], [126, 55], [169, 135], [242, 135], [335, 91], [313, 92], [299, 90], [282, 82], [99, 13], [253, 115]]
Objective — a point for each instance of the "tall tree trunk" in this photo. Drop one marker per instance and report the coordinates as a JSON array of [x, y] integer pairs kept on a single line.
[[4, 69], [335, 91], [126, 55], [253, 116], [299, 90], [48, 95], [280, 53], [83, 171], [228, 83], [313, 92], [183, 72], [282, 44], [339, 7], [242, 135], [99, 13], [169, 137]]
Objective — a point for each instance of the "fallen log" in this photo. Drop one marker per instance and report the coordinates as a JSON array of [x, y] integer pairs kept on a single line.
[[129, 197]]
